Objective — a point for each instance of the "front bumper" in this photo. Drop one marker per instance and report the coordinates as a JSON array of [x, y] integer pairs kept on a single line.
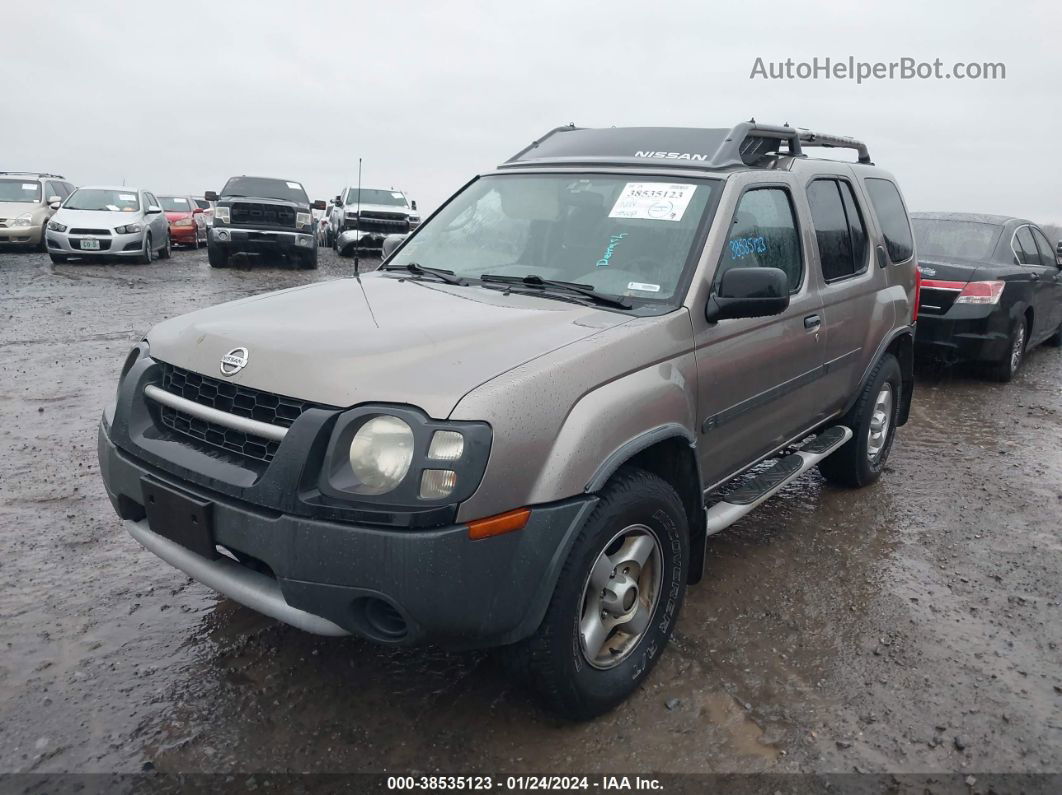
[[355, 238], [113, 245], [332, 577], [964, 333], [21, 235], [236, 239]]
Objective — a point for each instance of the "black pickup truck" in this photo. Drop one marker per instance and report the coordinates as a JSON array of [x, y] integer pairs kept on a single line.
[[261, 215]]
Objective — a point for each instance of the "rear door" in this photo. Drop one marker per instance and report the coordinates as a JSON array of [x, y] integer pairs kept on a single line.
[[1049, 259], [1044, 281], [757, 376]]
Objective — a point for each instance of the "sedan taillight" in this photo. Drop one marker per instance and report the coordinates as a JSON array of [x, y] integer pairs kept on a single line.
[[981, 293]]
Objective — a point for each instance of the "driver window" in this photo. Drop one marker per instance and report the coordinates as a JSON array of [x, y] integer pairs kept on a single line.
[[763, 234]]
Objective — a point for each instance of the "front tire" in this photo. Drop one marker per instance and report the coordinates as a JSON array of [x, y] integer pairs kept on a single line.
[[861, 460], [307, 261], [217, 256], [58, 259], [616, 600], [148, 256]]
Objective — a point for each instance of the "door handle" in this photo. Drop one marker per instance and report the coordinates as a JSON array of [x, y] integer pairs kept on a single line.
[[812, 321]]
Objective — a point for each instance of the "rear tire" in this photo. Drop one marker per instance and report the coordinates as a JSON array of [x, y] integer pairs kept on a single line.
[[1004, 370], [167, 249], [149, 253], [218, 257], [581, 662], [861, 460]]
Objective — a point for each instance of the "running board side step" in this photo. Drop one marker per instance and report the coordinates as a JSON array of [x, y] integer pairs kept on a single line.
[[766, 484]]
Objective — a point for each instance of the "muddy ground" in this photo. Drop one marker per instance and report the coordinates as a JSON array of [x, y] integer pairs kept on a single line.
[[911, 626]]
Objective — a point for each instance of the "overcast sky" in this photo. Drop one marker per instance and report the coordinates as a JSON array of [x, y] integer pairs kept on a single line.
[[176, 97]]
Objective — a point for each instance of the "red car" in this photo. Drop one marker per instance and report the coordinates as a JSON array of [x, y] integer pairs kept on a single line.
[[187, 222]]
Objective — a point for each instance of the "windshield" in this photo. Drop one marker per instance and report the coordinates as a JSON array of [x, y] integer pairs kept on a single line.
[[620, 236], [392, 198], [938, 237], [262, 188], [19, 190], [175, 204], [103, 199]]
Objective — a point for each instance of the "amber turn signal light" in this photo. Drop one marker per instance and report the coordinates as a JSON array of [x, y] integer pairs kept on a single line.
[[497, 525]]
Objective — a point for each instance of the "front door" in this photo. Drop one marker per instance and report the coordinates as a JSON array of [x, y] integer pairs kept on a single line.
[[756, 376]]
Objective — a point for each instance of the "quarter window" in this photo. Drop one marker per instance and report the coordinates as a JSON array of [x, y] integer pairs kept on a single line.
[[763, 234], [839, 229], [892, 216]]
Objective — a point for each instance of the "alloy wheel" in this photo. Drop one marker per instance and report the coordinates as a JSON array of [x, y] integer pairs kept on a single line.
[[880, 420]]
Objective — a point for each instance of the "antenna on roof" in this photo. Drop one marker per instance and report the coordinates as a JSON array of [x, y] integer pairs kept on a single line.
[[357, 241]]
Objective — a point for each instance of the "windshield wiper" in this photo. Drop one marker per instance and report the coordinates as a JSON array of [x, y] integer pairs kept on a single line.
[[438, 273], [585, 290]]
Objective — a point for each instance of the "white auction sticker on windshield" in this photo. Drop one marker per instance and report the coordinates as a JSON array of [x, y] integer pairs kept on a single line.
[[643, 287], [127, 197], [29, 186], [654, 201], [180, 201], [397, 195], [294, 185]]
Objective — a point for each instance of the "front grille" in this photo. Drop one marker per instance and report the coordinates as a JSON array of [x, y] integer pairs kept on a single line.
[[232, 399], [214, 435], [387, 223], [254, 214], [936, 302], [90, 232]]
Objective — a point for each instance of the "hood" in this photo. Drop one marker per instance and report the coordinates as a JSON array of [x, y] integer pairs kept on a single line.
[[377, 208], [228, 201], [177, 215], [96, 219], [378, 340], [15, 209]]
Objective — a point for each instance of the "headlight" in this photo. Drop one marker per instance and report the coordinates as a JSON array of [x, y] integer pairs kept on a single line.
[[221, 214], [55, 226], [380, 455], [399, 457], [183, 222], [128, 229], [303, 219], [414, 219], [22, 220]]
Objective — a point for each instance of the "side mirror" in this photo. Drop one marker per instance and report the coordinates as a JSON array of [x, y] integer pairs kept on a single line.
[[320, 204], [210, 196], [54, 199], [390, 243], [749, 292], [197, 211], [55, 205], [153, 209], [338, 199], [413, 204]]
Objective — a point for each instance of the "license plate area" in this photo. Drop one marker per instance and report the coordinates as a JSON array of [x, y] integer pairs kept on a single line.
[[180, 517], [89, 245]]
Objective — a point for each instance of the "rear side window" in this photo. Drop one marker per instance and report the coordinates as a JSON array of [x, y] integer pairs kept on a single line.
[[1024, 247], [1047, 256], [763, 234], [893, 218], [839, 229]]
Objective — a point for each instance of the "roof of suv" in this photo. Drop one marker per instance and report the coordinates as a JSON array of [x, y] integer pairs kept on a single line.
[[979, 218], [31, 174], [746, 145]]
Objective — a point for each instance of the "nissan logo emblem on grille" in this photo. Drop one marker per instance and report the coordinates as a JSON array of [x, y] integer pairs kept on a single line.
[[234, 361]]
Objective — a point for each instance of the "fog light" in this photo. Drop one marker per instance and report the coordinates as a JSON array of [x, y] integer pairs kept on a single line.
[[446, 446], [437, 483], [223, 235]]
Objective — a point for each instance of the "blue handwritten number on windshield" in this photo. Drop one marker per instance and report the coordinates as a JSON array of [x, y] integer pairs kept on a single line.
[[741, 247]]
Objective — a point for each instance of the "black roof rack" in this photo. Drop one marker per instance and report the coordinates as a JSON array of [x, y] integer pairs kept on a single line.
[[32, 174], [746, 144]]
